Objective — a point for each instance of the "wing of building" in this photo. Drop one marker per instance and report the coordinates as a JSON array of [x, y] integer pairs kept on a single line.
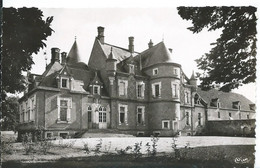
[[124, 91]]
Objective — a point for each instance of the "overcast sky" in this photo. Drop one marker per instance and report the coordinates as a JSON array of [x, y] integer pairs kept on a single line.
[[156, 23]]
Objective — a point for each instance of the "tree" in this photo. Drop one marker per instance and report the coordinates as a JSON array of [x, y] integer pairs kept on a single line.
[[24, 33], [232, 60], [10, 113]]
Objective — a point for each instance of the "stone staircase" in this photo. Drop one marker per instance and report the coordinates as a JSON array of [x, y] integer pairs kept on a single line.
[[102, 133]]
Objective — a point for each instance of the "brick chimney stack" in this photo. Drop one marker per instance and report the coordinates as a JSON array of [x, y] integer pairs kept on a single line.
[[55, 55], [131, 44], [63, 57], [150, 44], [101, 36]]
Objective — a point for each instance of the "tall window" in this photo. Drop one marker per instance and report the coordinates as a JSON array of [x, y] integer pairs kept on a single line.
[[32, 108], [218, 114], [247, 116], [186, 95], [27, 112], [140, 115], [239, 115], [89, 114], [156, 89], [122, 114], [122, 87], [229, 114], [64, 109], [102, 115], [174, 90], [199, 118], [140, 89], [187, 118]]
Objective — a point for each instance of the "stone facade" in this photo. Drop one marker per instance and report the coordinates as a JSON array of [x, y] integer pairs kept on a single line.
[[123, 91]]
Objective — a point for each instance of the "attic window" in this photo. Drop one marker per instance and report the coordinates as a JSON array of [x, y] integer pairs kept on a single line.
[[155, 71], [131, 68], [64, 83], [96, 89], [236, 105]]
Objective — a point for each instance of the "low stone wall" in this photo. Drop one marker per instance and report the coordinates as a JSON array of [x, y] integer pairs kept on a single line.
[[231, 128]]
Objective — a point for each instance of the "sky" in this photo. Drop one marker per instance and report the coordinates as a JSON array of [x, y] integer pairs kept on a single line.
[[143, 19], [157, 24]]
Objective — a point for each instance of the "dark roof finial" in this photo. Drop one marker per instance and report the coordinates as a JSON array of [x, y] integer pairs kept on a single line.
[[75, 38], [192, 76]]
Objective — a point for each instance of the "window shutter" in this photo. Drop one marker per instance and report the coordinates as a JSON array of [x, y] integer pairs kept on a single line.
[[69, 109], [126, 86], [143, 112], [160, 89], [58, 106], [126, 111]]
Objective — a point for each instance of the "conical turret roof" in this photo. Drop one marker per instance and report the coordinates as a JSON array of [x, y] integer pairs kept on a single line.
[[73, 56]]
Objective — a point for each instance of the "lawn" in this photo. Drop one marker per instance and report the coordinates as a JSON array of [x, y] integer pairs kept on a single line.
[[234, 151]]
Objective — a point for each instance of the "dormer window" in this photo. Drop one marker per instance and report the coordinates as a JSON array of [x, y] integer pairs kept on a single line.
[[131, 69], [96, 89], [64, 82], [155, 71], [236, 105], [215, 103]]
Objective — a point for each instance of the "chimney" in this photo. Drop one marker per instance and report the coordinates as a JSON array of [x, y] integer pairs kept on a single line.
[[63, 57], [170, 49], [150, 44], [101, 36], [131, 44], [55, 55]]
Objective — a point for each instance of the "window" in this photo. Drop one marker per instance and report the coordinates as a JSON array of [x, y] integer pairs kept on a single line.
[[155, 71], [247, 116], [27, 112], [64, 83], [140, 115], [122, 87], [186, 95], [102, 115], [174, 90], [187, 118], [176, 71], [239, 115], [96, 89], [229, 114], [21, 113], [218, 105], [156, 89], [140, 89], [165, 124], [64, 135], [131, 68], [89, 114], [218, 114], [64, 109], [199, 118], [48, 135], [32, 108], [122, 114]]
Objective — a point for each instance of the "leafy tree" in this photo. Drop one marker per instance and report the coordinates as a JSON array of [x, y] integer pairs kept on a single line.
[[24, 33], [10, 113], [232, 60]]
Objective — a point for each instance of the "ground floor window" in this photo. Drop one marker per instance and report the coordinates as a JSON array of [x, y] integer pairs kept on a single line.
[[122, 114], [218, 114], [187, 118], [102, 117], [166, 124], [48, 135], [199, 118], [140, 115], [64, 135]]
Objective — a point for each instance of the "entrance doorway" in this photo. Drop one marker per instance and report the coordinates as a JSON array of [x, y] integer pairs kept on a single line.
[[102, 120]]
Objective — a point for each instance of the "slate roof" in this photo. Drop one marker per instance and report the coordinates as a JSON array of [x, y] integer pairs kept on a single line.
[[119, 53], [73, 56], [154, 55], [226, 99]]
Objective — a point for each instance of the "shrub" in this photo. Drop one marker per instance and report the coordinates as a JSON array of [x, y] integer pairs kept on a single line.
[[176, 151], [7, 147], [98, 147], [137, 150], [123, 151], [86, 148], [154, 145]]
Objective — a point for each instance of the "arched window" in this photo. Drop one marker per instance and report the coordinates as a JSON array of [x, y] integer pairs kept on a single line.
[[104, 109], [89, 108], [100, 108]]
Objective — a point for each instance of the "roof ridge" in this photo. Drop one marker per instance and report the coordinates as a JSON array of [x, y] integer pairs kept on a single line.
[[119, 47]]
